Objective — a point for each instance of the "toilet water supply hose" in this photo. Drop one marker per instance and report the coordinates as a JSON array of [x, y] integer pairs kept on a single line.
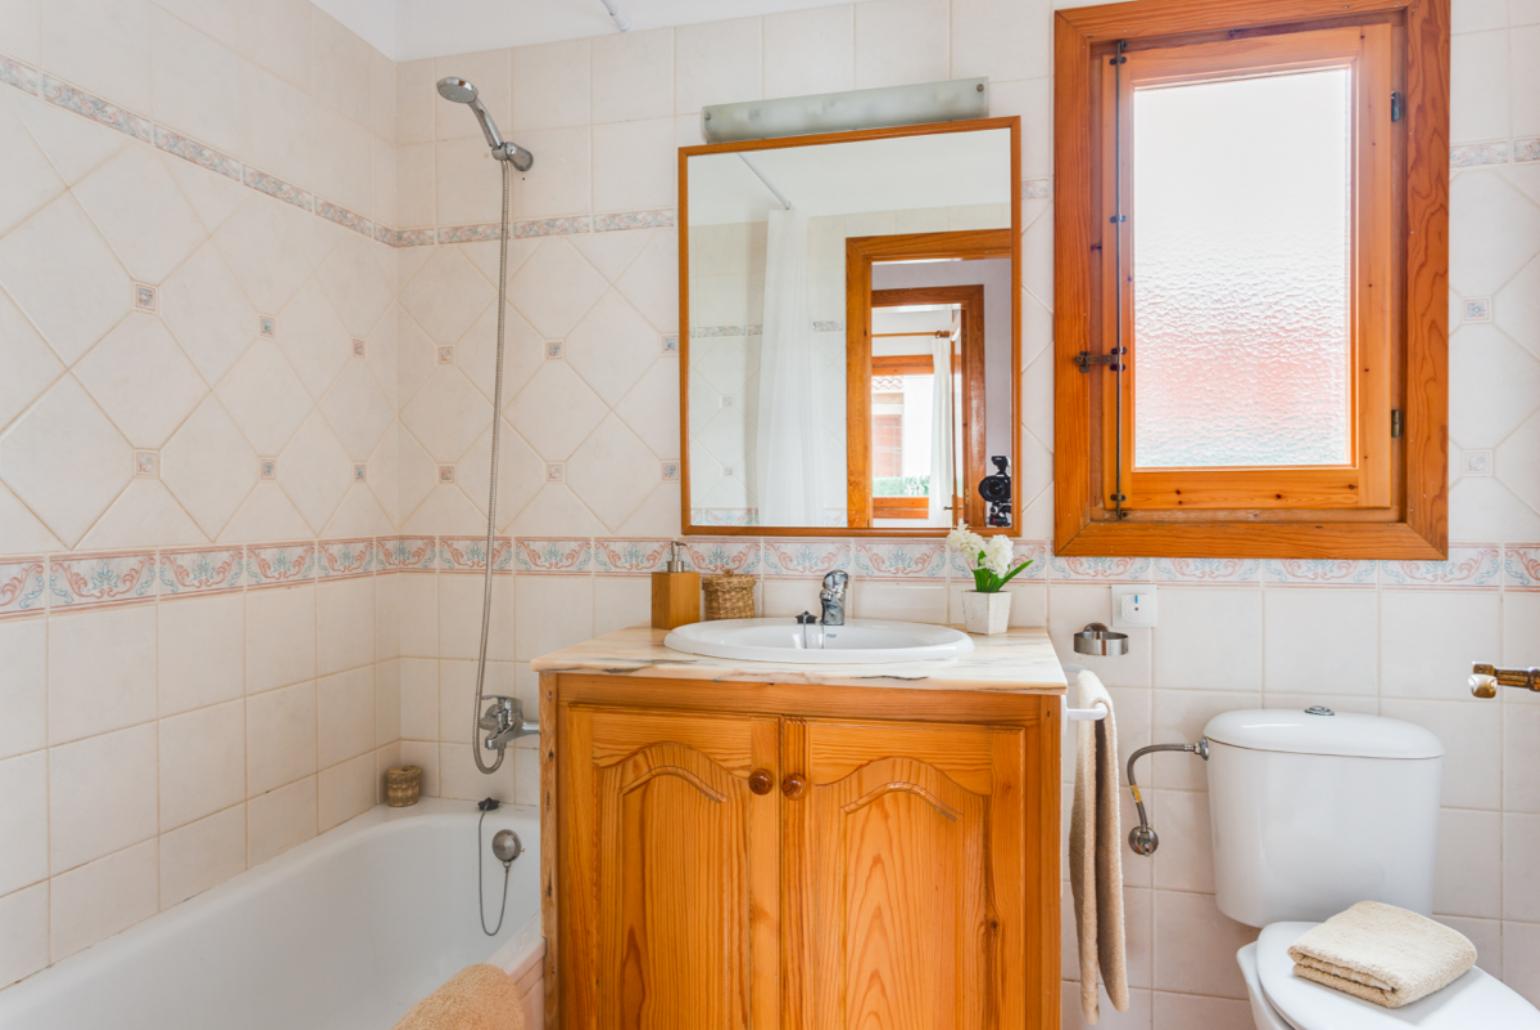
[[1142, 838]]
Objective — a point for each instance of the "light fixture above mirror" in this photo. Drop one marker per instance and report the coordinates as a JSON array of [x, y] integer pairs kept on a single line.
[[849, 345]]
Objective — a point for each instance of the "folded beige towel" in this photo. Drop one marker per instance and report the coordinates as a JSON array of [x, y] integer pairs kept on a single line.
[[476, 998], [1383, 954], [1096, 854]]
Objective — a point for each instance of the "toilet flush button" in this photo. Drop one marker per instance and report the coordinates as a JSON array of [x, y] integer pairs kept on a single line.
[[1133, 606]]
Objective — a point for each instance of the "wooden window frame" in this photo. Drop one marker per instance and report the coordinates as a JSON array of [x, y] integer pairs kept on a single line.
[[1401, 510]]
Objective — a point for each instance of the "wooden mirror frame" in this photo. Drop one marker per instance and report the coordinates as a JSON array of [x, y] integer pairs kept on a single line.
[[853, 326]]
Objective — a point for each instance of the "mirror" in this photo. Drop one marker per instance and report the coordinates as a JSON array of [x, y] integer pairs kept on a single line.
[[850, 351]]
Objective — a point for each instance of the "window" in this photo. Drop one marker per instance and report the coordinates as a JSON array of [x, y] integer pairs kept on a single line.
[[1250, 280]]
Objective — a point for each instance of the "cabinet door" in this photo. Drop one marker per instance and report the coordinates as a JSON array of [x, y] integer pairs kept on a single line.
[[669, 826], [903, 865]]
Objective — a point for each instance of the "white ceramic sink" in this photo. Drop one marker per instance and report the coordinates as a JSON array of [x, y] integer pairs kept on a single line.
[[862, 641]]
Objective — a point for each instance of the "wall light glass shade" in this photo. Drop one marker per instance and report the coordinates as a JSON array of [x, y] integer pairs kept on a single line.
[[840, 112]]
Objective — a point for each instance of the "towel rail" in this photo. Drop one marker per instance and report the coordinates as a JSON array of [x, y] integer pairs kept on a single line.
[[1084, 714]]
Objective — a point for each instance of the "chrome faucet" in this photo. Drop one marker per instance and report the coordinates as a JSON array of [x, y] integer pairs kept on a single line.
[[504, 722], [832, 597]]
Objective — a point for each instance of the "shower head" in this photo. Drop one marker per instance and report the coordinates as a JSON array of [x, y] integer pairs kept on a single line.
[[462, 91]]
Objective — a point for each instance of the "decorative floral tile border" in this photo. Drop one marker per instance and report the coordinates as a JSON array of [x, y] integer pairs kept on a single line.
[[1206, 570], [1521, 566], [86, 580], [627, 557], [1104, 570], [337, 559], [21, 586], [281, 564], [553, 554], [1320, 572], [799, 557], [408, 553], [900, 559], [201, 570], [469, 553], [734, 554], [1469, 566]]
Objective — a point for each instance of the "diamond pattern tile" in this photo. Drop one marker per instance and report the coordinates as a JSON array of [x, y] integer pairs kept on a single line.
[[520, 476], [357, 410], [556, 411], [354, 278], [651, 283], [134, 202], [447, 295], [1493, 385], [65, 460], [264, 396], [21, 530], [1492, 232], [207, 312], [209, 466], [1516, 308], [611, 253], [447, 414], [28, 362], [524, 352], [58, 270], [144, 515], [313, 338], [555, 288], [651, 408], [73, 145], [315, 471], [30, 181], [1518, 460], [613, 472], [272, 249], [140, 377], [612, 346]]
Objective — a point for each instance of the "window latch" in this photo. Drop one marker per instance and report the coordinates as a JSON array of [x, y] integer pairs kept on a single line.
[[1397, 105], [1085, 360], [1397, 423]]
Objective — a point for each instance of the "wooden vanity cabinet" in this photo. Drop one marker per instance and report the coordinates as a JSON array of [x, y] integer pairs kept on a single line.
[[778, 856]]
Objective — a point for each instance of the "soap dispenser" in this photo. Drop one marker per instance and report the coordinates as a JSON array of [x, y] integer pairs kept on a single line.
[[675, 593]]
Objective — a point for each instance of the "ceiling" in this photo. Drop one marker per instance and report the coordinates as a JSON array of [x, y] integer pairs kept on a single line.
[[407, 29]]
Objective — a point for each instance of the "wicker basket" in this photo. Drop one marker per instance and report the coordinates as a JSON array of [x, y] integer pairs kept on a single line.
[[403, 785], [729, 596]]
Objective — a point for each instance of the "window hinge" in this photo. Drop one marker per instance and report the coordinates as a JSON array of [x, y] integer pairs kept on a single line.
[[1397, 423], [1397, 105], [1085, 360]]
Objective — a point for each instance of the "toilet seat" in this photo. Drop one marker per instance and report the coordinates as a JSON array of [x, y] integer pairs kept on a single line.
[[1474, 1000]]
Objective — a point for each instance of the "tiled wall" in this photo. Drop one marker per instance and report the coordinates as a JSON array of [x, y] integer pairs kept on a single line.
[[1392, 637], [590, 492], [197, 452]]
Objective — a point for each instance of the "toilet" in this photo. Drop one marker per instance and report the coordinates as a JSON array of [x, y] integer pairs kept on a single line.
[[1312, 811]]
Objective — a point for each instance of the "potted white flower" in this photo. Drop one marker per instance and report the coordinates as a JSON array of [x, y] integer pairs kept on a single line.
[[987, 607]]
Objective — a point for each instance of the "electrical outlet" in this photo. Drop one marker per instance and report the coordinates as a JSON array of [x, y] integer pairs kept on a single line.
[[1133, 606]]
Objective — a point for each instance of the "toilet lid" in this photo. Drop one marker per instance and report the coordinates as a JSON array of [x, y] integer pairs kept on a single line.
[[1474, 1000]]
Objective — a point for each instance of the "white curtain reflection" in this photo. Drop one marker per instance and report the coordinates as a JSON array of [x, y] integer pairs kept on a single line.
[[941, 434], [786, 439]]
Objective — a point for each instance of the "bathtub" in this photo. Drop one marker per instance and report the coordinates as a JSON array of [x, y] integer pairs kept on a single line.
[[346, 931]]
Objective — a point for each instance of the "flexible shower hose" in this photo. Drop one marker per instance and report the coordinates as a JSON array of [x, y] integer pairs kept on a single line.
[[497, 418]]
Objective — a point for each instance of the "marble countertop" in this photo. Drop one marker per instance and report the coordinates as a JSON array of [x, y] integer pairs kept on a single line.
[[1020, 661]]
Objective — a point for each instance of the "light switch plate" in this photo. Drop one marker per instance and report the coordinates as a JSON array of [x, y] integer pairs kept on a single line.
[[1133, 606]]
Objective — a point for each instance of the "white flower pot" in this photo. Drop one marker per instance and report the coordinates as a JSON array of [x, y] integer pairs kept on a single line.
[[986, 613]]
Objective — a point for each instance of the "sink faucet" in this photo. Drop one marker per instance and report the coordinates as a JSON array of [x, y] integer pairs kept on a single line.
[[832, 597], [504, 721]]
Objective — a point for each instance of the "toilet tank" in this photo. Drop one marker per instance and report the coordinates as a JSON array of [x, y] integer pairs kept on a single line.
[[1312, 811]]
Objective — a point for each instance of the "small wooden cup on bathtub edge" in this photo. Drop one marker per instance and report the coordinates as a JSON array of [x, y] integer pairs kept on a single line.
[[403, 785]]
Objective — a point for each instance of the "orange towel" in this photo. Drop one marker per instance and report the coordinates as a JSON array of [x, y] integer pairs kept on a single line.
[[476, 998]]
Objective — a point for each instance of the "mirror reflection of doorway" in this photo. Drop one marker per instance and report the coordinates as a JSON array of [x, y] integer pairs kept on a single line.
[[927, 402], [929, 354]]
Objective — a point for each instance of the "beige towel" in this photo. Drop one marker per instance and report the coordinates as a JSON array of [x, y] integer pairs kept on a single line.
[[1383, 954], [1096, 854], [476, 998]]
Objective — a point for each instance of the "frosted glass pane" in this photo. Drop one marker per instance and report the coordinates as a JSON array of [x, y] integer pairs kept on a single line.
[[1241, 298]]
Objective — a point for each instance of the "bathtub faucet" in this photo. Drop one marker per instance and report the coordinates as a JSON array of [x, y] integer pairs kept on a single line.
[[504, 722]]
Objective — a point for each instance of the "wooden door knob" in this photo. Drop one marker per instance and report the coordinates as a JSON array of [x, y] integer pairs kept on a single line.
[[793, 786], [760, 781]]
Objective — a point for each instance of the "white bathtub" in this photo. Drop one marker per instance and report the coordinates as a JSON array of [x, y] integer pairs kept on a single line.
[[346, 931]]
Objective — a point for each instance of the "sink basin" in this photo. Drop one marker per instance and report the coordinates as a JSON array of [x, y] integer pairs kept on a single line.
[[859, 641]]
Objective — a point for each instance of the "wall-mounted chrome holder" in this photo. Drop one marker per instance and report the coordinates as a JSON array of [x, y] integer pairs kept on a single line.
[[1142, 838], [1097, 639], [1485, 679]]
